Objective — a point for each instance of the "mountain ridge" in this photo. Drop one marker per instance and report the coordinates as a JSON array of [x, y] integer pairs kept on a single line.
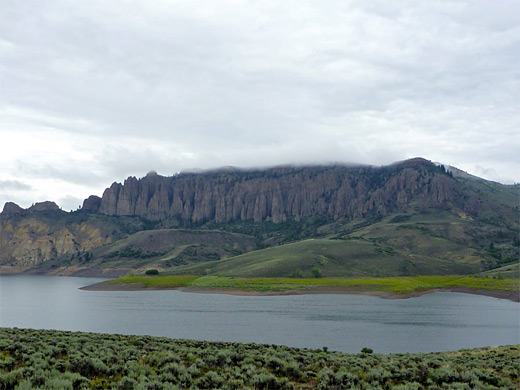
[[273, 205], [277, 194]]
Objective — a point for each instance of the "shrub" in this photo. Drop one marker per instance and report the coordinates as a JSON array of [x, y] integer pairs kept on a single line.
[[270, 382], [151, 272], [7, 363], [78, 381], [292, 370], [36, 359], [316, 272], [326, 379], [127, 383], [223, 358], [235, 384], [27, 385], [210, 380], [172, 370], [408, 386], [445, 375], [276, 365], [88, 367], [59, 383], [378, 375]]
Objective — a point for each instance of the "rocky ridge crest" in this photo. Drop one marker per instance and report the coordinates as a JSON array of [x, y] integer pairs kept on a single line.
[[278, 194]]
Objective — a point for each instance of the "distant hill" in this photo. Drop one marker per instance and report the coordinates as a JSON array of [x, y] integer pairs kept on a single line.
[[408, 218], [150, 249]]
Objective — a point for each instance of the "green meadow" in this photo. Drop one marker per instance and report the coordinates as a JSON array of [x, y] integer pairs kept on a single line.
[[393, 285], [153, 281]]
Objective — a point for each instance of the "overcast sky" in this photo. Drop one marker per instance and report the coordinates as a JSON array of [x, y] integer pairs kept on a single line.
[[94, 91]]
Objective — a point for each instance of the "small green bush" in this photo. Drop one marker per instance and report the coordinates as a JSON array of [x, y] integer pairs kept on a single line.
[[316, 272]]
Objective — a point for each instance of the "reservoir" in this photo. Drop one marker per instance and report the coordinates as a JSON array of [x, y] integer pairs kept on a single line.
[[434, 322]]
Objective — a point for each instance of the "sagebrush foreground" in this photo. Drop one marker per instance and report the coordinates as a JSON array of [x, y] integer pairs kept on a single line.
[[66, 360]]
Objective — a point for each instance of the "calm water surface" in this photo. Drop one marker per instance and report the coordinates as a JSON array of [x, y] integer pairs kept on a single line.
[[433, 322]]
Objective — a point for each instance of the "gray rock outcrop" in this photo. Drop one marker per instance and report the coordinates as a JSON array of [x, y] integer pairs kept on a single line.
[[279, 194]]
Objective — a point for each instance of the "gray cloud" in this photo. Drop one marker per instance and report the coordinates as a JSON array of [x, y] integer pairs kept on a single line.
[[102, 91], [70, 202], [14, 185], [70, 172]]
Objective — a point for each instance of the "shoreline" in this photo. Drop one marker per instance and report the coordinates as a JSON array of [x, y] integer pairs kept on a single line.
[[108, 273], [500, 294]]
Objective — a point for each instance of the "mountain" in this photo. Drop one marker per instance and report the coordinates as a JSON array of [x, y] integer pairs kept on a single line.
[[281, 194], [432, 220]]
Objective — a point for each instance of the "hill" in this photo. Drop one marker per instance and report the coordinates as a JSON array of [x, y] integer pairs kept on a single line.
[[407, 218], [397, 245], [149, 249]]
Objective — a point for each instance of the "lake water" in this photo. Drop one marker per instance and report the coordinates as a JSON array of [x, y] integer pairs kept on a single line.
[[433, 322]]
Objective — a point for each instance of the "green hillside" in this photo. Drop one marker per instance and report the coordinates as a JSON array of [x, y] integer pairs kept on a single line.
[[507, 271], [328, 257], [439, 243]]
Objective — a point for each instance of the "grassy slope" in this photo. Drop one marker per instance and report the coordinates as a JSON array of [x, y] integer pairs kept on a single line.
[[67, 360], [177, 246], [161, 249], [504, 194], [507, 271], [334, 257], [419, 243]]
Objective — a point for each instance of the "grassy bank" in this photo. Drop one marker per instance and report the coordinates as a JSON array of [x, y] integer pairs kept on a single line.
[[38, 359], [152, 281], [392, 285]]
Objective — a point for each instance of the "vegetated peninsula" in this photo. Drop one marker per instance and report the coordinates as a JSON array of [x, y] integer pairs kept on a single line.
[[350, 221], [385, 287], [65, 360]]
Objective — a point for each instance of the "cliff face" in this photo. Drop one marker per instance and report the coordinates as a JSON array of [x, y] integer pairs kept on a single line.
[[30, 241], [44, 232], [35, 241], [278, 194]]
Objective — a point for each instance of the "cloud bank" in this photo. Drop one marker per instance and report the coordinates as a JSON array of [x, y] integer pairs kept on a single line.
[[93, 92]]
